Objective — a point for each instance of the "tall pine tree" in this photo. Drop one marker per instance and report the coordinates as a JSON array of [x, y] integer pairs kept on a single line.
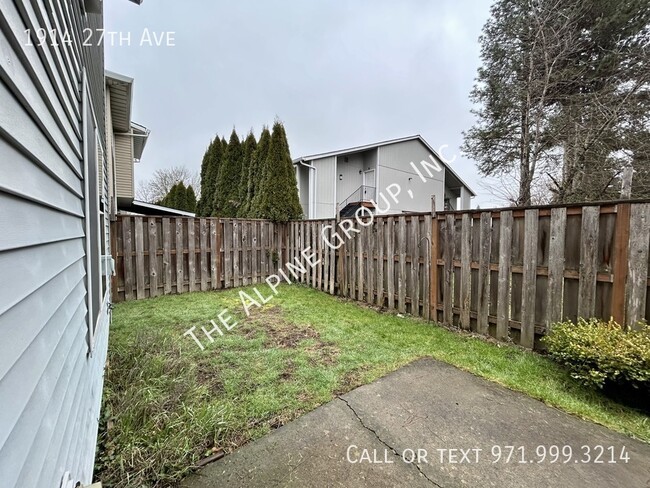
[[278, 199], [559, 94], [255, 172], [209, 173], [229, 176], [190, 200], [204, 180], [180, 198], [250, 144]]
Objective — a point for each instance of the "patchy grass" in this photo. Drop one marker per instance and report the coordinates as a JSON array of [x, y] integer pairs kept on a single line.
[[167, 404]]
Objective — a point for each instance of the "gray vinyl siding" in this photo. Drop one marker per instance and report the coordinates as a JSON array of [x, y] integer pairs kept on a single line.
[[124, 166], [325, 204], [350, 180], [394, 167], [50, 383]]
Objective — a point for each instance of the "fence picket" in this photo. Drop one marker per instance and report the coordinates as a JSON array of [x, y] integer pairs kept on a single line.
[[380, 261], [588, 261], [390, 265], [127, 250], [555, 295], [139, 258], [227, 253], [180, 277], [214, 253], [448, 297], [401, 266], [203, 229], [485, 245], [191, 254], [167, 256], [153, 258], [638, 263], [505, 261], [465, 271], [531, 221]]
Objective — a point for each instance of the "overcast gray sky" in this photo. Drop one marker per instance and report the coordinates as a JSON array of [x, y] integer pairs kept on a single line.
[[337, 73]]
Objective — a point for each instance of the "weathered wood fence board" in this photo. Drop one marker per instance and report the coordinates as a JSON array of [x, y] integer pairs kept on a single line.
[[509, 273]]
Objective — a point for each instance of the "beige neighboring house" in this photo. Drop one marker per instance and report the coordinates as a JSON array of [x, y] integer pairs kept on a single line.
[[125, 143]]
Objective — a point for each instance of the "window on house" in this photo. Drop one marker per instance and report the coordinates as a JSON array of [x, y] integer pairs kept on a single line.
[[104, 220], [92, 217]]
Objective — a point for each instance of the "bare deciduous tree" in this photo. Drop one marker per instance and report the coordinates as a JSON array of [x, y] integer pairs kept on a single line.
[[158, 186]]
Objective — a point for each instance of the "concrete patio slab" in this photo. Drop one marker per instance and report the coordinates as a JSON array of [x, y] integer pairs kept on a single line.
[[430, 424]]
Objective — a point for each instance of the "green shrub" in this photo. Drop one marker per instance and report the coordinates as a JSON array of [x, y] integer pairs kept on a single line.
[[602, 353]]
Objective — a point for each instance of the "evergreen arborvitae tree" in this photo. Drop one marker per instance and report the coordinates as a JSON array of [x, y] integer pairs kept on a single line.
[[227, 188], [170, 200], [164, 202], [278, 199], [205, 164], [180, 201], [213, 175], [190, 200], [255, 172], [250, 144], [209, 173]]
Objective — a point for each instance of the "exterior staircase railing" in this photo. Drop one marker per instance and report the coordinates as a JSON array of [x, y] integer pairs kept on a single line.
[[364, 193]]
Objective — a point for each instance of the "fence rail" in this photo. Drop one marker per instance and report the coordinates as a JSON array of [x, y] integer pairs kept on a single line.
[[508, 273]]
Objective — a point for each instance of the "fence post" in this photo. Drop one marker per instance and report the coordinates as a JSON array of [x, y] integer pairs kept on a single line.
[[621, 244], [626, 185], [433, 268]]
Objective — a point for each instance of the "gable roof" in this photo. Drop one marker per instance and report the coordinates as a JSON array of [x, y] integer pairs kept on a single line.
[[355, 149], [121, 100]]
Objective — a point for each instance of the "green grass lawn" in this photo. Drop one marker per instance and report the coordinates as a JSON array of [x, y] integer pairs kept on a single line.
[[167, 403]]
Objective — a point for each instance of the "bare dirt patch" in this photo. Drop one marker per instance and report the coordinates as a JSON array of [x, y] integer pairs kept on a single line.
[[280, 333], [351, 380]]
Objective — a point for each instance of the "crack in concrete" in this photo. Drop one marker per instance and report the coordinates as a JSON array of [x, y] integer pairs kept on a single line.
[[393, 450]]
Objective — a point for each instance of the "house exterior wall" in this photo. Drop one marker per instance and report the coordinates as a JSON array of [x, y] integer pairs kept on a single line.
[[394, 167], [53, 336], [302, 177], [350, 179], [465, 198], [124, 166], [325, 190], [391, 163]]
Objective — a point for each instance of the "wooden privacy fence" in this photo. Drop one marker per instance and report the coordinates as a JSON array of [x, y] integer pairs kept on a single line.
[[161, 255], [515, 271], [386, 263], [508, 273]]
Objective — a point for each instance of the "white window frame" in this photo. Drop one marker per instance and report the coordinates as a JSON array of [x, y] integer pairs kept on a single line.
[[95, 317]]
